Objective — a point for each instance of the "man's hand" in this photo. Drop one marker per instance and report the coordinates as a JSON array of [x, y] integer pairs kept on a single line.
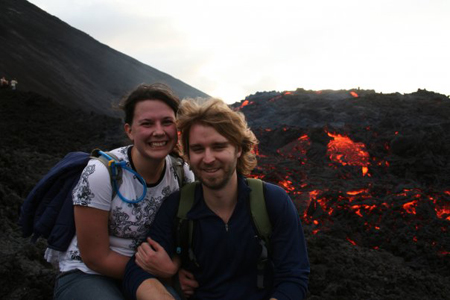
[[187, 282], [154, 259]]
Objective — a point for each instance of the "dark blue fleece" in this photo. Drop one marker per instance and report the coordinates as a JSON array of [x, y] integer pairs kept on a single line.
[[228, 255]]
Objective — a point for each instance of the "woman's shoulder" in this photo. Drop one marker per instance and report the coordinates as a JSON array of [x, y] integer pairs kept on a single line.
[[121, 152], [99, 167]]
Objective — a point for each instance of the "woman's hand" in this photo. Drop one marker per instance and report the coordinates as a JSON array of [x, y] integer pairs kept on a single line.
[[187, 282], [154, 259]]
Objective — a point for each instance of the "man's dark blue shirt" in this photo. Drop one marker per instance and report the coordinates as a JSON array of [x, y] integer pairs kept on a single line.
[[228, 253]]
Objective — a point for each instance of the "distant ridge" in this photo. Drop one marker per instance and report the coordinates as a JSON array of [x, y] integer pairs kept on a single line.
[[56, 60]]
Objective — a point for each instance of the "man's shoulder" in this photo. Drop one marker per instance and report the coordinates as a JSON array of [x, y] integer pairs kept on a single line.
[[172, 201], [276, 198], [273, 190]]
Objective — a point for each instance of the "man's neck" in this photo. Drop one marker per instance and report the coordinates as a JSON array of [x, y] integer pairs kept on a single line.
[[222, 202]]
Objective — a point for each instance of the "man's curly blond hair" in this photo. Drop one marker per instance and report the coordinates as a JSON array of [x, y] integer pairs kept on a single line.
[[230, 124]]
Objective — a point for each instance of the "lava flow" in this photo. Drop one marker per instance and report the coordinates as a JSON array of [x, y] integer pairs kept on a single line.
[[371, 184]]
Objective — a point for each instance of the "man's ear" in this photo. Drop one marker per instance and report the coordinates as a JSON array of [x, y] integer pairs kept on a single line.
[[238, 151], [128, 131]]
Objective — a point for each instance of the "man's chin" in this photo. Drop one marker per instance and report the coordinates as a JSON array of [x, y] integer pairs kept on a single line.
[[213, 183]]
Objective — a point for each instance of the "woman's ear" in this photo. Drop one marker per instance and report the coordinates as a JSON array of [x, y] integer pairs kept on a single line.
[[128, 131]]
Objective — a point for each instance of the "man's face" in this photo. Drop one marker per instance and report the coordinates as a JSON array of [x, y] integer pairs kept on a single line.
[[212, 157], [153, 131]]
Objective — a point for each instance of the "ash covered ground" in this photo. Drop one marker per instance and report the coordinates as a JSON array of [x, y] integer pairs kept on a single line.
[[350, 258]]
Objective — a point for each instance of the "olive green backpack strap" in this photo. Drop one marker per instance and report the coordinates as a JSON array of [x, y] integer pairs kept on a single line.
[[177, 164], [185, 227], [186, 199], [259, 209], [183, 232], [262, 223]]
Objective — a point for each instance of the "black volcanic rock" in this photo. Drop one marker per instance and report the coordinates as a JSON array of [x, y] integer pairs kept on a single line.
[[379, 252], [36, 133], [392, 220], [382, 235], [56, 60]]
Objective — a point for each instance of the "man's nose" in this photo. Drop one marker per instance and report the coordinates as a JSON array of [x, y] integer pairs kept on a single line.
[[208, 156]]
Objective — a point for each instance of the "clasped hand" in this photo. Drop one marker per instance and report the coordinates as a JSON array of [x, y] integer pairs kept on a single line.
[[153, 258]]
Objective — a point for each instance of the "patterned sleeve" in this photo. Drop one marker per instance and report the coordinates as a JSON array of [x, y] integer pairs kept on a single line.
[[188, 174], [94, 187]]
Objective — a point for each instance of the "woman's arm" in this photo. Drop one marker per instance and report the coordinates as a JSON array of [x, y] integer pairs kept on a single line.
[[136, 278], [152, 289], [93, 242]]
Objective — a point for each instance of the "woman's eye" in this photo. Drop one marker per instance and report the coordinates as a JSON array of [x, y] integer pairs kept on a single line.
[[196, 150]]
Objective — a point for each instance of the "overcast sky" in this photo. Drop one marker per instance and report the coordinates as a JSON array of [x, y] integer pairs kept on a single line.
[[234, 48]]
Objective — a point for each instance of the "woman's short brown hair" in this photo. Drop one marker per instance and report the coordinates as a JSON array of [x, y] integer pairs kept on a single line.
[[155, 91]]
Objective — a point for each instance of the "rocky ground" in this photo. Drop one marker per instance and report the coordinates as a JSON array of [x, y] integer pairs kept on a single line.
[[36, 133]]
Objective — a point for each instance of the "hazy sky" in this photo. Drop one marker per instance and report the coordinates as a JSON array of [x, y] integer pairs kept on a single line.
[[234, 48]]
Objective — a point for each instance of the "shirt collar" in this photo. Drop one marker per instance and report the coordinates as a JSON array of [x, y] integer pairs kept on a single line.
[[200, 209]]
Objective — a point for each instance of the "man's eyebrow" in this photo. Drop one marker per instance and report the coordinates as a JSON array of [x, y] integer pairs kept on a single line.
[[226, 143], [216, 144]]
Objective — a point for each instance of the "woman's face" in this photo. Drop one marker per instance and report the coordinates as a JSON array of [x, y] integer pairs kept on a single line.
[[153, 131]]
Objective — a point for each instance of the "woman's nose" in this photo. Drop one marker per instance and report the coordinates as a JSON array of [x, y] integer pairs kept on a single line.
[[159, 130]]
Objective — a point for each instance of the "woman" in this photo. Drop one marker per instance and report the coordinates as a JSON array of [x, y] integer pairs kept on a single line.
[[109, 229]]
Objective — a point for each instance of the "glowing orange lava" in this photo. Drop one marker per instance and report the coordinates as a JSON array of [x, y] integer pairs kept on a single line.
[[346, 152]]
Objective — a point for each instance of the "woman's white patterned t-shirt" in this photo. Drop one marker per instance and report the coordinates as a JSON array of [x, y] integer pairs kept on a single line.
[[128, 223]]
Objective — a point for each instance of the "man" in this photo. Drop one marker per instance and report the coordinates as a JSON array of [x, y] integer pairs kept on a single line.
[[218, 146], [3, 82], [13, 83]]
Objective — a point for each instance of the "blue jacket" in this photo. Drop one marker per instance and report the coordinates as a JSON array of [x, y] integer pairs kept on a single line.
[[48, 209], [228, 253]]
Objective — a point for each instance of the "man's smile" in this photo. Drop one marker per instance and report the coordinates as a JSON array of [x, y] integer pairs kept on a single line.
[[210, 170]]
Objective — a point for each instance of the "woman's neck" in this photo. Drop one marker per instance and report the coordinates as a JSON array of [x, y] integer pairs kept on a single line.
[[150, 169]]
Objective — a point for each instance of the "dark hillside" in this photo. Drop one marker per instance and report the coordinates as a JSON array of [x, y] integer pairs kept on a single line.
[[54, 59]]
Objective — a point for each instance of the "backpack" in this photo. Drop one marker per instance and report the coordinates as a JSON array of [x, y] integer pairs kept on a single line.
[[185, 227], [47, 211]]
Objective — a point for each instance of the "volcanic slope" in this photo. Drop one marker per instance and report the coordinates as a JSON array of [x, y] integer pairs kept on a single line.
[[48, 56]]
